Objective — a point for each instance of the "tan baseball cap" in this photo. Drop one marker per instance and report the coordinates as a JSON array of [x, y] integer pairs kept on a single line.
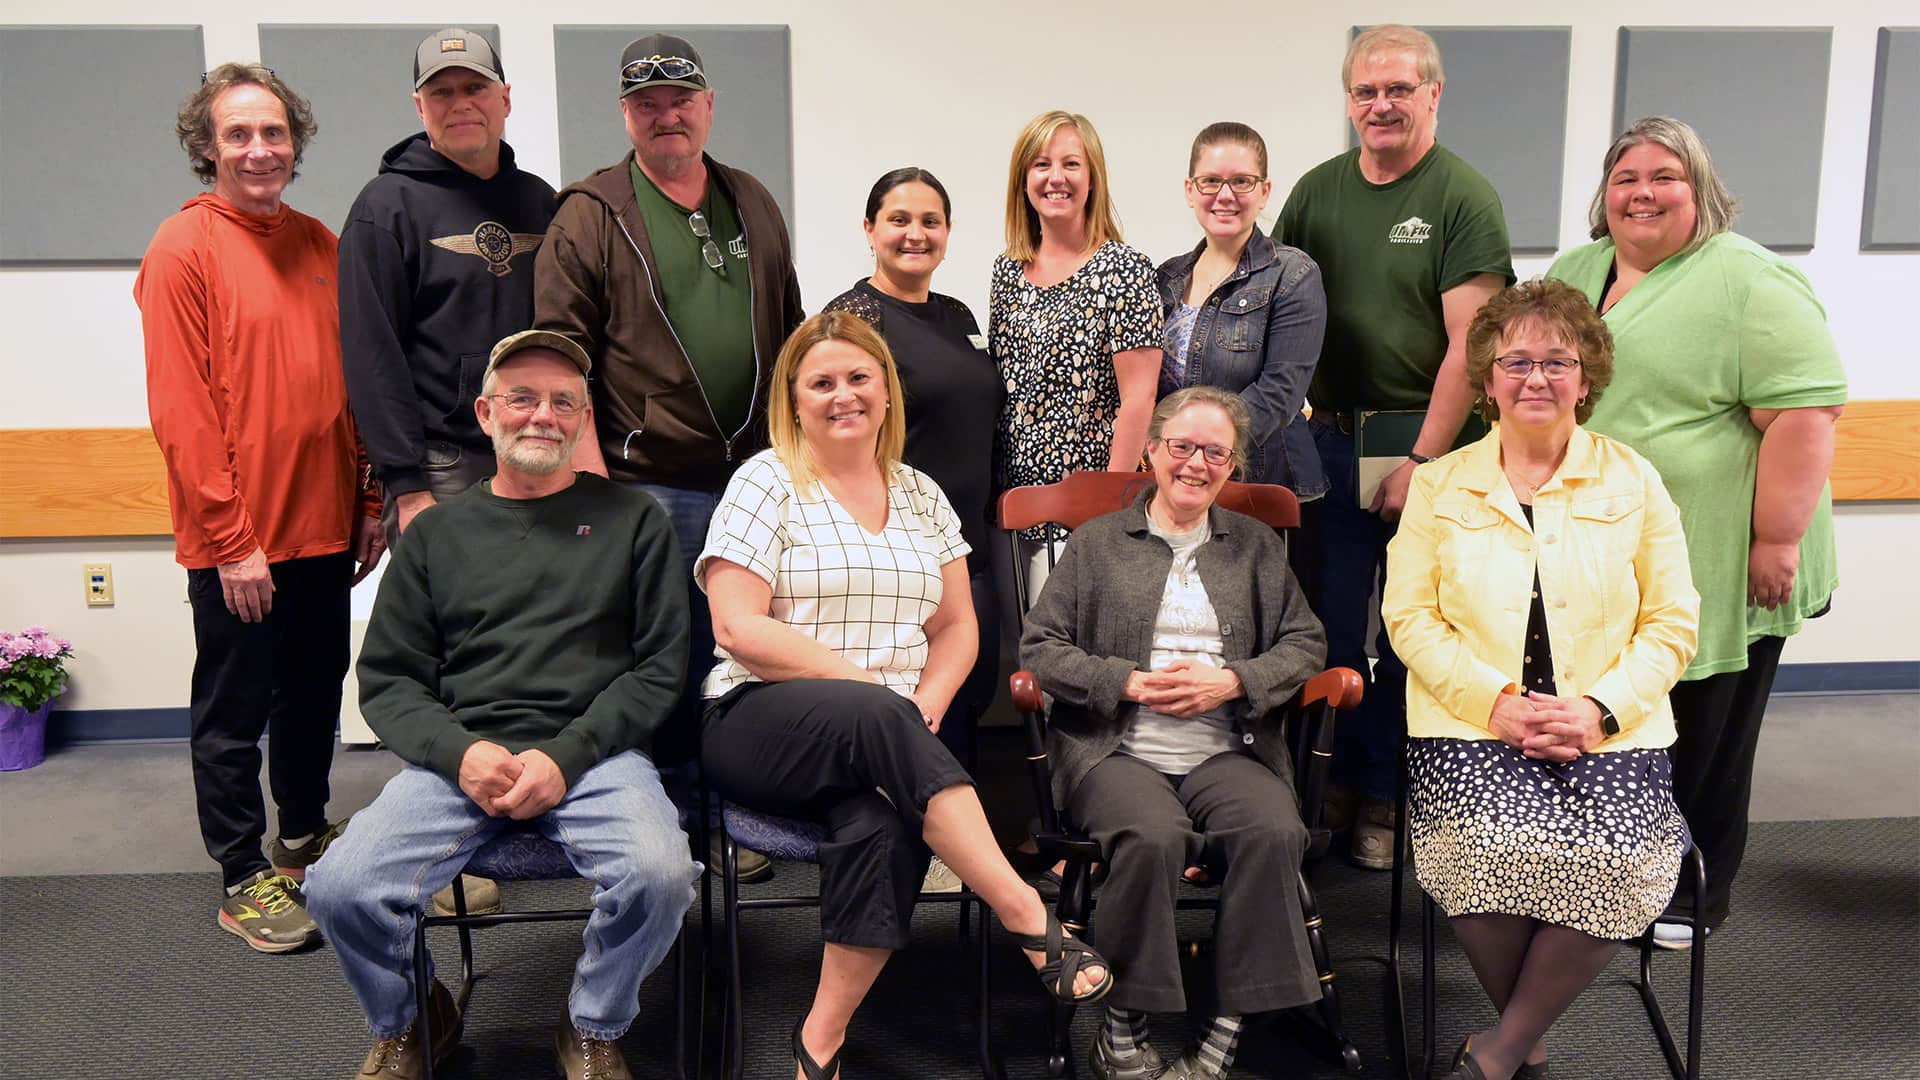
[[454, 47], [539, 339]]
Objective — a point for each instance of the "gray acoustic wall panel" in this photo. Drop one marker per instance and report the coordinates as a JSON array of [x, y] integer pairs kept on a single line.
[[1504, 110], [89, 165], [749, 67], [359, 80], [1891, 219], [1757, 96]]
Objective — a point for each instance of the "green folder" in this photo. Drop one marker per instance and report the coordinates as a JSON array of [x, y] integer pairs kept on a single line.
[[1383, 438]]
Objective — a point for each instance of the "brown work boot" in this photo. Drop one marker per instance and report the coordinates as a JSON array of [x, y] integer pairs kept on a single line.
[[399, 1058], [483, 897], [1371, 842], [581, 1058]]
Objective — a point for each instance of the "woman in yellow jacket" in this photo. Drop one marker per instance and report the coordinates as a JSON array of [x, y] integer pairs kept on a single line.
[[1539, 593]]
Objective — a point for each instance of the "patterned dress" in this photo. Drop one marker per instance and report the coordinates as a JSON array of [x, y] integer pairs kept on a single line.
[[1054, 347], [1594, 844]]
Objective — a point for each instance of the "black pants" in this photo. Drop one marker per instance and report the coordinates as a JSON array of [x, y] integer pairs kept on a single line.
[[281, 677], [1230, 816], [1718, 718], [451, 469], [856, 757]]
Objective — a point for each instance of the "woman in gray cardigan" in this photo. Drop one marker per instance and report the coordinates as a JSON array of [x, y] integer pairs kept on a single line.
[[1170, 635]]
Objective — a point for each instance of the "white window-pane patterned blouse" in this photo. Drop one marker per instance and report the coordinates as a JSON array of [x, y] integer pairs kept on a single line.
[[866, 596]]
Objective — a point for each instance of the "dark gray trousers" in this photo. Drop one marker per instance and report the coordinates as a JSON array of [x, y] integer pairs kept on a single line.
[[1230, 816]]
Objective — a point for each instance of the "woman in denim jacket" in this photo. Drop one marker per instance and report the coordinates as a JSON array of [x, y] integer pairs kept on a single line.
[[1244, 313]]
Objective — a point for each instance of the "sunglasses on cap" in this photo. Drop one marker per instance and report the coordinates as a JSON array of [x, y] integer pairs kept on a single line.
[[669, 67]]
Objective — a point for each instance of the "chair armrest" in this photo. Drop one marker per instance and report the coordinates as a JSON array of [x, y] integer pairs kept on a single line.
[[1339, 687], [1025, 690]]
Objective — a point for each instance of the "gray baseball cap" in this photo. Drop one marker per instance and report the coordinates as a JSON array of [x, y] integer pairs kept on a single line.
[[454, 47], [539, 339]]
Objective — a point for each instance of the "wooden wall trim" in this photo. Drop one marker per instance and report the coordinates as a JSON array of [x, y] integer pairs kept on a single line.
[[76, 482], [82, 482]]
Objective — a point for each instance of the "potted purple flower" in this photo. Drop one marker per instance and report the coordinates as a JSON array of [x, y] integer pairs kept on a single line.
[[32, 673]]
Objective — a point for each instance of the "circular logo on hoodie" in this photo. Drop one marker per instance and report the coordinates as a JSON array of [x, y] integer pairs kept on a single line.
[[494, 241]]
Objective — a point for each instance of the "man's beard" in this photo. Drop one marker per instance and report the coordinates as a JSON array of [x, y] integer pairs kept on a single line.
[[512, 450]]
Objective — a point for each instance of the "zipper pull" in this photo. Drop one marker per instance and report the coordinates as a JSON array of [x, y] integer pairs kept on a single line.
[[728, 445]]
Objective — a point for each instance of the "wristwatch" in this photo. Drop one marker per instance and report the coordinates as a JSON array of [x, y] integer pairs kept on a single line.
[[1609, 723]]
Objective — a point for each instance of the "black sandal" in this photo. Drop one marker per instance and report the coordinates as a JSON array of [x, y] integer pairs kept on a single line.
[[813, 1069], [1065, 954]]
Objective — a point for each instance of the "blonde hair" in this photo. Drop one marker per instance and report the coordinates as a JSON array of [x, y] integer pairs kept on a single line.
[[783, 420], [1023, 222], [1388, 36], [1714, 207]]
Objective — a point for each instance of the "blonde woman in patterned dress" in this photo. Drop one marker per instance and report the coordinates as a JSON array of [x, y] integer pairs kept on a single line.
[[838, 581], [1539, 592]]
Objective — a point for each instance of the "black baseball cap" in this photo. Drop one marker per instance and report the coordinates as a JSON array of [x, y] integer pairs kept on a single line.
[[454, 47], [661, 60]]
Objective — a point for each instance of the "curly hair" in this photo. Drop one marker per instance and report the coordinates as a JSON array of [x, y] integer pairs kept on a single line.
[[194, 125], [1555, 306]]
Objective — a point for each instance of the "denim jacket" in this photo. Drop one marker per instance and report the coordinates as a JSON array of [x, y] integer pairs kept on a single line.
[[1259, 335]]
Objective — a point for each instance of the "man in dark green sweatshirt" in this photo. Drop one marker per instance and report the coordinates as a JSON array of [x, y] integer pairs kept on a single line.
[[526, 644]]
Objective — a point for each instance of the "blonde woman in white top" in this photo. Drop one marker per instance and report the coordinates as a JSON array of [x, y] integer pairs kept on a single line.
[[838, 582]]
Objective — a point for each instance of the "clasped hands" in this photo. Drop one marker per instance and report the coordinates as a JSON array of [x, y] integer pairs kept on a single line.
[[1183, 688], [1546, 727], [521, 786]]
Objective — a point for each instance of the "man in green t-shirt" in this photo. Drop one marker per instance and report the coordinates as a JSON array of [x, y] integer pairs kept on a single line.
[[1411, 241], [675, 274]]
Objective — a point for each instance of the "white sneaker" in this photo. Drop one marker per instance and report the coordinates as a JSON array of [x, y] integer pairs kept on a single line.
[[940, 878], [1673, 935]]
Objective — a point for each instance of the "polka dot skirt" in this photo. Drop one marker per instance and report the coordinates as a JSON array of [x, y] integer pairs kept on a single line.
[[1594, 844]]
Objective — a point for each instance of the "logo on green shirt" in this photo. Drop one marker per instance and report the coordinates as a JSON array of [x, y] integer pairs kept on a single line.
[[1410, 231]]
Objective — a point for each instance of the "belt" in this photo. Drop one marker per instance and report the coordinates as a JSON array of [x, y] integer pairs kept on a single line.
[[1341, 422]]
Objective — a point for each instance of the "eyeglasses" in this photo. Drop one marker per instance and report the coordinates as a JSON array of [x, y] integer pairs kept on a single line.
[[563, 405], [710, 251], [1519, 367], [1239, 185], [1181, 449], [1365, 95], [205, 75], [671, 67]]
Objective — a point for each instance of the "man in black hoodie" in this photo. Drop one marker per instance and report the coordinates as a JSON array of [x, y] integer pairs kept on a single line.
[[436, 264]]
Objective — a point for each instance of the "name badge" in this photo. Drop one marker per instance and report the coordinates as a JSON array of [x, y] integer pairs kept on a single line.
[[979, 341]]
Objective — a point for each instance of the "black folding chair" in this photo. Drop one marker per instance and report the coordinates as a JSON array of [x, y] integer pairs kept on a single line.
[[1309, 727]]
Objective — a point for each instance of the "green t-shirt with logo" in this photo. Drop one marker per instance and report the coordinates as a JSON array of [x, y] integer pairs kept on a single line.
[[1386, 253], [711, 310], [1700, 342]]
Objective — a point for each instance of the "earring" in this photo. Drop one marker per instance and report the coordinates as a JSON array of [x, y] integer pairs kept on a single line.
[[889, 403]]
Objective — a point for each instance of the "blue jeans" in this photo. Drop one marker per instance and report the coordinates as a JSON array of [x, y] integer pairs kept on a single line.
[[619, 830], [678, 740], [1353, 561]]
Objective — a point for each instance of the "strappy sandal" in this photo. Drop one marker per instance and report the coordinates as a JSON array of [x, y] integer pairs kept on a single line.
[[1065, 955], [813, 1069], [1464, 1067]]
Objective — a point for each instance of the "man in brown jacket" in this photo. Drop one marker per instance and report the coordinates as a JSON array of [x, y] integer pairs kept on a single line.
[[675, 274]]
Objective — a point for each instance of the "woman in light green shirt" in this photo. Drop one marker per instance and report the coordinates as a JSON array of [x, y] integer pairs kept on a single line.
[[1728, 381]]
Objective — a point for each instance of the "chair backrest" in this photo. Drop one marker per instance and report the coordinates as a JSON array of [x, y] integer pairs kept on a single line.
[[1083, 496]]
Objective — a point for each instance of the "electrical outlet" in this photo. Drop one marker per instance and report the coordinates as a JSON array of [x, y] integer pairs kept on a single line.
[[99, 577]]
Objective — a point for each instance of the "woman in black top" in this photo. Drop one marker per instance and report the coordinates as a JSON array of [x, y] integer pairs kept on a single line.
[[953, 401]]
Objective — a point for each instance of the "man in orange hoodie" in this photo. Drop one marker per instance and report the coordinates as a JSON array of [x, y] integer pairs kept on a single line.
[[272, 503]]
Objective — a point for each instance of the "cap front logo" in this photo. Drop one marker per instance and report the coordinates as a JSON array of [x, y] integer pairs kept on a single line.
[[454, 44]]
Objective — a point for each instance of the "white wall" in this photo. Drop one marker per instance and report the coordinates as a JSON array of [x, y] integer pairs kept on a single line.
[[878, 85]]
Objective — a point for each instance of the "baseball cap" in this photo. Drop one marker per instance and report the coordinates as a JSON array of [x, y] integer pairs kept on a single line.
[[538, 339], [454, 47], [661, 60]]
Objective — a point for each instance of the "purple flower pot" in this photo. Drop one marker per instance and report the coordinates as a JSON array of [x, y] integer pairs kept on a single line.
[[23, 736]]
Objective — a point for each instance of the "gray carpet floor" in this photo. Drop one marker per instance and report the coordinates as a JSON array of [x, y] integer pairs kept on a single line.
[[127, 976]]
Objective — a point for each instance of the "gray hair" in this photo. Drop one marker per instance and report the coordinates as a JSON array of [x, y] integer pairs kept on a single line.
[[1714, 207], [1426, 52], [1225, 400]]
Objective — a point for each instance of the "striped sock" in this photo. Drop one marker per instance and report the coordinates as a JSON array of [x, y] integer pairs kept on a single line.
[[1216, 1050], [1126, 1030]]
